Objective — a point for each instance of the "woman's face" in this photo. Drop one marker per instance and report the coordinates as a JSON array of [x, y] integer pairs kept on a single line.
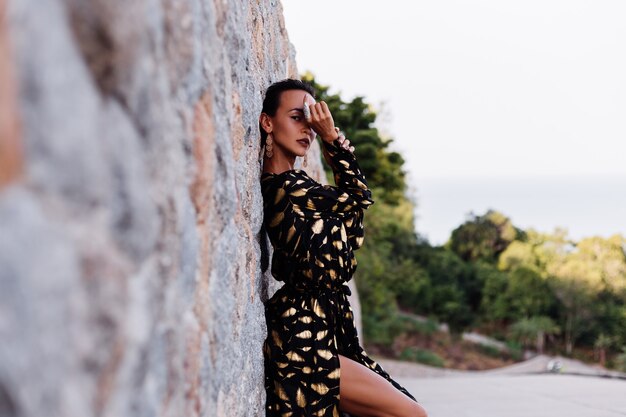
[[289, 128]]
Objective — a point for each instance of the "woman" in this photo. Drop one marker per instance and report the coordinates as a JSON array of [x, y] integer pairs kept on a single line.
[[314, 364]]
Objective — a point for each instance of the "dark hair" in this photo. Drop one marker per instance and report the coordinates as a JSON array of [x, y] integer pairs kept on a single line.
[[272, 97]]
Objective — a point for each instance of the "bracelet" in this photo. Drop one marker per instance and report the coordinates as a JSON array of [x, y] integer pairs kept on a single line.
[[344, 137], [339, 133]]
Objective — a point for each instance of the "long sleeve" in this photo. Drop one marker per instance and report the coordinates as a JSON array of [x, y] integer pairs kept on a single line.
[[350, 195], [355, 229]]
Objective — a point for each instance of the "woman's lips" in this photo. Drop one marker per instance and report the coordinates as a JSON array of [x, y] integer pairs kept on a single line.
[[304, 142]]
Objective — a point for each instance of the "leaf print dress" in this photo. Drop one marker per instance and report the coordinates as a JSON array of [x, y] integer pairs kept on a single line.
[[314, 230]]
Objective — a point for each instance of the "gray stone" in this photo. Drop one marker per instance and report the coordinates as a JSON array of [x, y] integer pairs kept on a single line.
[[130, 262]]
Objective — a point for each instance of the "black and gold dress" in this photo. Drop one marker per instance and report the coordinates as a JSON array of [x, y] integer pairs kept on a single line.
[[314, 230]]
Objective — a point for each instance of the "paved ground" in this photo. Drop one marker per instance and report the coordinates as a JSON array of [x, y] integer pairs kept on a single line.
[[523, 389], [519, 395]]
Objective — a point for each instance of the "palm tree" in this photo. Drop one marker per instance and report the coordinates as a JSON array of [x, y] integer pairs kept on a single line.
[[602, 343], [536, 327]]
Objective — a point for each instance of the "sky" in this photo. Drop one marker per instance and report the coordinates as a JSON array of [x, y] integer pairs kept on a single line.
[[477, 92]]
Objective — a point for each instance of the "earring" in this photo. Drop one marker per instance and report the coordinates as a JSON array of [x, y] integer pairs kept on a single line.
[[304, 162], [269, 146]]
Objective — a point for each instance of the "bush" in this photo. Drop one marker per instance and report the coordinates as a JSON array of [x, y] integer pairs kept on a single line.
[[515, 350], [412, 325], [422, 356], [382, 329], [620, 361], [491, 351]]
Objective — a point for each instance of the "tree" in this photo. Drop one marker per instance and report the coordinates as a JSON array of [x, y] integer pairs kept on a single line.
[[607, 258], [527, 294], [454, 294], [610, 316], [518, 254], [494, 308], [602, 344], [482, 237], [620, 360], [534, 328], [573, 285], [593, 269]]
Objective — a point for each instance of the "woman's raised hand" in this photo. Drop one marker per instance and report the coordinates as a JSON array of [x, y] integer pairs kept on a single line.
[[321, 121], [319, 118]]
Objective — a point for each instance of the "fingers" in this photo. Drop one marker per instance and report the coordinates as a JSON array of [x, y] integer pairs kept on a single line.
[[324, 108], [314, 109], [320, 110], [305, 109], [345, 143], [321, 120]]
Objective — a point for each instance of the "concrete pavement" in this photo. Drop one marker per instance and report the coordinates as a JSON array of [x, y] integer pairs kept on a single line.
[[542, 395]]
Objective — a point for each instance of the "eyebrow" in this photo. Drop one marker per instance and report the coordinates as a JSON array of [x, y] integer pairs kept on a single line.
[[298, 109]]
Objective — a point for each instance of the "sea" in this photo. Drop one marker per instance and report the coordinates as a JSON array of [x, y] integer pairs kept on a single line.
[[591, 205]]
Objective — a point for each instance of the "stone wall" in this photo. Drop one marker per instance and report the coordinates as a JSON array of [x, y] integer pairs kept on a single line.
[[130, 205]]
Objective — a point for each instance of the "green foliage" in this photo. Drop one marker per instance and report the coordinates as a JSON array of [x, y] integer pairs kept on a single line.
[[381, 330], [518, 254], [604, 341], [424, 327], [455, 291], [610, 317], [490, 350], [410, 283], [515, 350], [378, 304], [533, 329], [482, 237], [494, 305], [586, 280], [527, 294], [424, 356], [620, 360], [607, 261]]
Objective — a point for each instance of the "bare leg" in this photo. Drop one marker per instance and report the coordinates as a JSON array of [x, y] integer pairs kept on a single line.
[[364, 393]]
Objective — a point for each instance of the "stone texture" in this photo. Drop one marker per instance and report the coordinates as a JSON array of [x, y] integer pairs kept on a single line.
[[130, 261], [10, 138]]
